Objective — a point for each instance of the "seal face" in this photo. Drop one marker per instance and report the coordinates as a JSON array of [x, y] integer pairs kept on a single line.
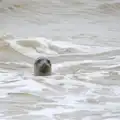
[[42, 67]]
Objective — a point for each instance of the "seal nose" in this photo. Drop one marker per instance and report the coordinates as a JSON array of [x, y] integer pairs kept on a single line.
[[44, 64]]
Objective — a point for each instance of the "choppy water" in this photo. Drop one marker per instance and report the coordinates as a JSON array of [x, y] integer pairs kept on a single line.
[[81, 38]]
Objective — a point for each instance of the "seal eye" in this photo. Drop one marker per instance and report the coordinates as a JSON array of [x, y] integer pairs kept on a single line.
[[49, 62], [38, 61]]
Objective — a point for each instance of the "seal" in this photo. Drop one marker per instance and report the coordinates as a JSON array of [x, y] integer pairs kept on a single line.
[[42, 67]]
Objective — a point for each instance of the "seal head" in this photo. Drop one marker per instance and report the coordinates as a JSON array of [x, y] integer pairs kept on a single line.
[[42, 67]]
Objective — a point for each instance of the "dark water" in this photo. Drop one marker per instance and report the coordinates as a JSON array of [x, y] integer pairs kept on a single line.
[[81, 38]]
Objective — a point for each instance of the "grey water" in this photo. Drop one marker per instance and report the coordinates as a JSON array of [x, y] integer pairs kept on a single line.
[[81, 38]]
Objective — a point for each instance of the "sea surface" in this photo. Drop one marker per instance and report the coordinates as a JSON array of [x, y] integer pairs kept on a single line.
[[82, 40]]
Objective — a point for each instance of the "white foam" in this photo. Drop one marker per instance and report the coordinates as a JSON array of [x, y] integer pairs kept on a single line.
[[44, 47], [49, 112], [17, 63], [69, 64]]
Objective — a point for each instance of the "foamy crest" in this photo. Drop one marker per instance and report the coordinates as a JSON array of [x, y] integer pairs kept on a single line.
[[35, 47]]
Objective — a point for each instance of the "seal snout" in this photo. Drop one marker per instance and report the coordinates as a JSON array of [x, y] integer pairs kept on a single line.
[[45, 67]]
